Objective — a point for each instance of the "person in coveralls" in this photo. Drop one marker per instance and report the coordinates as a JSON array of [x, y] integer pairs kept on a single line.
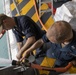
[[62, 44], [21, 26]]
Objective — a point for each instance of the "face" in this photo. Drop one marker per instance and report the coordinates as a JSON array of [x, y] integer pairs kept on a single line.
[[8, 23]]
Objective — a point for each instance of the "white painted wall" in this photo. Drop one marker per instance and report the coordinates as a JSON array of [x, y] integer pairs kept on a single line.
[[12, 44]]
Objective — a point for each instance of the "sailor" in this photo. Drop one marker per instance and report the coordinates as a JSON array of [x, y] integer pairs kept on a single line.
[[21, 26], [62, 43]]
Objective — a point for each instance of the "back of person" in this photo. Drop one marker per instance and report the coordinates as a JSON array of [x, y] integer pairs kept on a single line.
[[28, 27], [36, 29]]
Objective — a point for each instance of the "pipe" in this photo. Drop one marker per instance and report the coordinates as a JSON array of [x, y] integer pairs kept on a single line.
[[50, 6], [16, 7]]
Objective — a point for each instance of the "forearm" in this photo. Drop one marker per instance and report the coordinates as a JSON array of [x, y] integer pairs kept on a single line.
[[36, 45], [28, 43], [19, 45]]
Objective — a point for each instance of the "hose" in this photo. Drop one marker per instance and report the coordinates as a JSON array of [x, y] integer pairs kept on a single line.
[[38, 16], [60, 69], [36, 66]]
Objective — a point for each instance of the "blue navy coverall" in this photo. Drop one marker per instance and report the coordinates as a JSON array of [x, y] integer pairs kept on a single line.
[[62, 55], [25, 26]]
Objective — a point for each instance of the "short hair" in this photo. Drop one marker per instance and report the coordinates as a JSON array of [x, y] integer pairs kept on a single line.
[[2, 17], [61, 30]]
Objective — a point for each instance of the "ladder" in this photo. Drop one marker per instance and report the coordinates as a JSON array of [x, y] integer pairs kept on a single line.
[[46, 10]]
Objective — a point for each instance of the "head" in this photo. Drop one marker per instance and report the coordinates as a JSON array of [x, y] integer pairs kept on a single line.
[[60, 32], [6, 22]]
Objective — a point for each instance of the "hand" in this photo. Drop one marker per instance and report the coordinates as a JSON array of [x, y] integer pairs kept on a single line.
[[19, 55], [74, 63], [25, 54]]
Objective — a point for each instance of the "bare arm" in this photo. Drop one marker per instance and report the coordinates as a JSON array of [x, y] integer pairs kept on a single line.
[[28, 43], [19, 44], [36, 45]]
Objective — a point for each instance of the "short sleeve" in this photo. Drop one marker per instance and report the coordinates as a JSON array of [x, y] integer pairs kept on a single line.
[[29, 32], [17, 35], [45, 39], [27, 27]]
